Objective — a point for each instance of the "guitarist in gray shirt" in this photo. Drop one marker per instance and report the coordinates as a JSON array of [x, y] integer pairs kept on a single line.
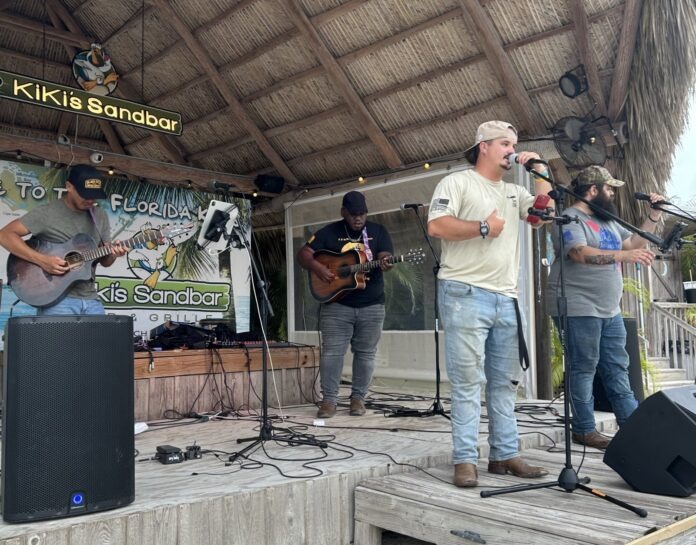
[[58, 222]]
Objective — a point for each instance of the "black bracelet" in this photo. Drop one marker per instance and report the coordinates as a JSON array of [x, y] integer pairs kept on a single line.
[[654, 221]]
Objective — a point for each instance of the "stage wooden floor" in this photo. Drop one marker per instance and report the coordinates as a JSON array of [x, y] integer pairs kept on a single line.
[[299, 495]]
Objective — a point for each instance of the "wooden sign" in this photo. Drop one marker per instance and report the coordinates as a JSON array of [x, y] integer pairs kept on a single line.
[[71, 100]]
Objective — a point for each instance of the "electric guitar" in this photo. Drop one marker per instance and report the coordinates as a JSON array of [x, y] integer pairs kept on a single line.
[[350, 268], [38, 288]]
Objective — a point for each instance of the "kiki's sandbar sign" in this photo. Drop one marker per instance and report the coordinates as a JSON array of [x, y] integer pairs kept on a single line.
[[76, 101]]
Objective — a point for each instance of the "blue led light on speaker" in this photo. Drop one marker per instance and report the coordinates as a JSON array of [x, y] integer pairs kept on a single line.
[[77, 499]]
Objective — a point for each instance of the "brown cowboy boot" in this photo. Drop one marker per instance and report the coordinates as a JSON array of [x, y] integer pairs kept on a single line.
[[326, 410], [592, 439], [517, 467], [357, 407], [465, 475]]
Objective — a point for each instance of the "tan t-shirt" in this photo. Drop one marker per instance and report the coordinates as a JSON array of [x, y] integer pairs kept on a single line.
[[490, 263]]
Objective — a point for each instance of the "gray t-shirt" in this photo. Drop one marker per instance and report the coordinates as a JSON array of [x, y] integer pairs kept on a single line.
[[591, 290], [56, 222]]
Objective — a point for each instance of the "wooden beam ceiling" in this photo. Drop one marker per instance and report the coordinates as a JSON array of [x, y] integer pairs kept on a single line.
[[487, 35], [146, 168], [342, 84], [219, 83], [624, 58], [587, 58]]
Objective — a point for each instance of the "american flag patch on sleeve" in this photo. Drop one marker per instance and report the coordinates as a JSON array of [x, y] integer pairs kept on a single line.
[[439, 205]]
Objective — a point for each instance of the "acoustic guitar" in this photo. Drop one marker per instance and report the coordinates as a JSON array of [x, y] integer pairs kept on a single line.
[[350, 269], [38, 288]]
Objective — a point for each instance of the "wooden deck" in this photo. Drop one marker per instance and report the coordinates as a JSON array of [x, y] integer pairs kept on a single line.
[[210, 501]]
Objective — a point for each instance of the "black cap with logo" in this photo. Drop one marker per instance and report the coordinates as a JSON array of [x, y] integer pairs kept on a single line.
[[88, 182]]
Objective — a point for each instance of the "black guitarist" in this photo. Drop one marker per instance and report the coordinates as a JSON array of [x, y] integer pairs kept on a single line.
[[356, 318], [59, 221]]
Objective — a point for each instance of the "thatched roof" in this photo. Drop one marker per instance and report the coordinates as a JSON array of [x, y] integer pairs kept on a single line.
[[319, 91]]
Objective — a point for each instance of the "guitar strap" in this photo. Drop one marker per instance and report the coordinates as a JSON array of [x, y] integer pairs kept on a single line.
[[366, 244], [521, 344], [96, 227]]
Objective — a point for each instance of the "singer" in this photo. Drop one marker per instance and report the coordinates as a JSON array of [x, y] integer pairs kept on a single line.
[[596, 335], [58, 222], [356, 319], [477, 215]]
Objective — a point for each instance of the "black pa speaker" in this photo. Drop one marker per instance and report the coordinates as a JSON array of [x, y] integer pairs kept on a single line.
[[635, 374], [655, 450], [270, 184], [67, 418]]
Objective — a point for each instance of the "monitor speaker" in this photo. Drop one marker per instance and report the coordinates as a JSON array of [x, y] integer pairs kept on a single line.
[[269, 184], [68, 415], [655, 450]]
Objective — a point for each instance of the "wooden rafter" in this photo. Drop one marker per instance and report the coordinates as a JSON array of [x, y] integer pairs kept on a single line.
[[146, 168], [37, 28], [49, 135], [624, 57], [197, 32], [342, 84], [219, 83], [587, 58], [331, 14], [487, 35]]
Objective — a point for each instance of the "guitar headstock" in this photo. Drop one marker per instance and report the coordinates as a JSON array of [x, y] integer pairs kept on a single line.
[[171, 231], [415, 256]]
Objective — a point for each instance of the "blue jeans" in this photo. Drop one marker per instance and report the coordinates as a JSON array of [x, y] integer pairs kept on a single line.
[[72, 305], [481, 348], [598, 344], [340, 326]]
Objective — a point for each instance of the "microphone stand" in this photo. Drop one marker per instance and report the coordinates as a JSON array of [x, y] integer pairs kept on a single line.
[[568, 479], [436, 408], [266, 430]]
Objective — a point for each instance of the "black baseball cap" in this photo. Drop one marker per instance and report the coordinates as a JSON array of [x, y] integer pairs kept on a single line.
[[354, 202], [88, 182]]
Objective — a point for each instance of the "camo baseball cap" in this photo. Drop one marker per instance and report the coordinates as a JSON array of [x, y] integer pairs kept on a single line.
[[595, 175], [491, 130]]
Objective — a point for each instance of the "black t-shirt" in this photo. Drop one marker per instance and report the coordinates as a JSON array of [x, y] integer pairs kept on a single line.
[[338, 237]]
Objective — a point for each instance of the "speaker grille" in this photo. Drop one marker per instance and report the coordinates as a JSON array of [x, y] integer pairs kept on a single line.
[[68, 415]]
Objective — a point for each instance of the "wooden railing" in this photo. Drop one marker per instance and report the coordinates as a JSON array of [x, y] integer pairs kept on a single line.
[[672, 336]]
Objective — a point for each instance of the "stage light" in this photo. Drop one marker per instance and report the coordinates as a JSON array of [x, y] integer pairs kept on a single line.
[[111, 171], [19, 155], [574, 82], [426, 166], [361, 180]]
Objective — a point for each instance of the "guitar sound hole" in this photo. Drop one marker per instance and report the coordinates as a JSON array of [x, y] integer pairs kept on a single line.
[[343, 271], [74, 260]]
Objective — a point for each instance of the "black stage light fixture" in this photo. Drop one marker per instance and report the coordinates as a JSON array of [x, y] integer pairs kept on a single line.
[[574, 82], [269, 184]]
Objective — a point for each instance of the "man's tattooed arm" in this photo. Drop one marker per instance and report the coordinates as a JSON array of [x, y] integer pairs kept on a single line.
[[601, 259]]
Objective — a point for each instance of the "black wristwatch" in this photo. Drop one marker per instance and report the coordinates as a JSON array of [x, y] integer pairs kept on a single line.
[[484, 229]]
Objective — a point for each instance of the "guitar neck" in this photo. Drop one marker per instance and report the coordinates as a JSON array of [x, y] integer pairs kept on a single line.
[[151, 235], [375, 263]]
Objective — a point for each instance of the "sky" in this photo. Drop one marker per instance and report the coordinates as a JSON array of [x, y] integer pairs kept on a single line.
[[682, 183]]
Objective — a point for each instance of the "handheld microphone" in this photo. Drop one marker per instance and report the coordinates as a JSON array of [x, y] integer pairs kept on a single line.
[[515, 158], [643, 197], [539, 207], [412, 206], [672, 236]]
